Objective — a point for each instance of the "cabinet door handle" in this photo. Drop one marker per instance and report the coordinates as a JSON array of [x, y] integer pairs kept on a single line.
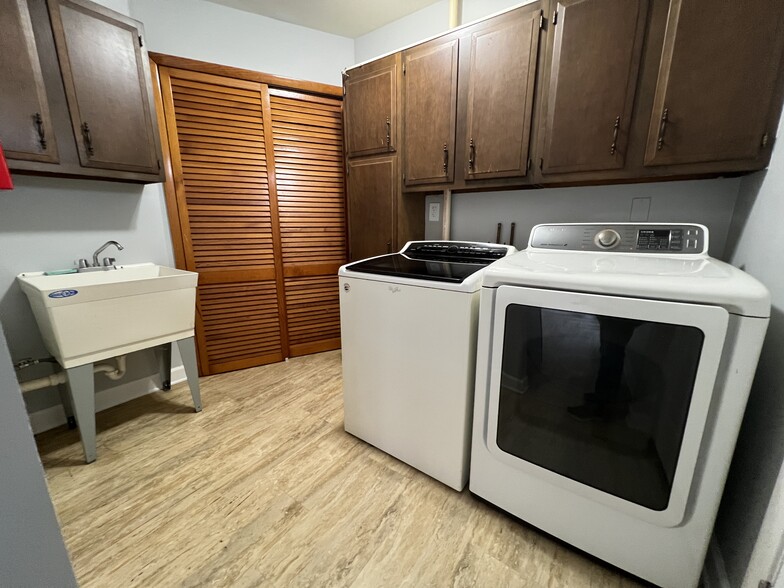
[[389, 131], [39, 125], [662, 129], [88, 139], [471, 155], [617, 126], [446, 158]]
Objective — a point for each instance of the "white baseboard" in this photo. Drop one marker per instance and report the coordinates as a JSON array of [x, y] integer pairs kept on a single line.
[[714, 574], [54, 416]]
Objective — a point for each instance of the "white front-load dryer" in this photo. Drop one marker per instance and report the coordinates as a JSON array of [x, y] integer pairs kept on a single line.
[[613, 367]]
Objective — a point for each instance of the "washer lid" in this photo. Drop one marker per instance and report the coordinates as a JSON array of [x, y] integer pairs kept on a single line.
[[699, 279], [446, 265]]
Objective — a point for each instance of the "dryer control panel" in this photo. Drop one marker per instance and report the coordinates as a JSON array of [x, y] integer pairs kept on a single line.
[[622, 238]]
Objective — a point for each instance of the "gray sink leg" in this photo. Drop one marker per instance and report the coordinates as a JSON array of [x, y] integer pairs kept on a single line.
[[164, 365], [82, 386], [187, 349]]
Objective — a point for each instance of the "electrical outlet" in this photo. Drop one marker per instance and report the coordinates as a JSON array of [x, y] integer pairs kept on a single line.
[[434, 212]]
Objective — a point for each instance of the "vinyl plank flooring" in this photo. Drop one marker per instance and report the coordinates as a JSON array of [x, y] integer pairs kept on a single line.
[[264, 488]]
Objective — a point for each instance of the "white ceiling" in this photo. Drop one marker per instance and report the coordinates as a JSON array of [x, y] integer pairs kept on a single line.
[[348, 18]]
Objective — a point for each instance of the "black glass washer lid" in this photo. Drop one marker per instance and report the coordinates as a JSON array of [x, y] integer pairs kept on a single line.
[[398, 264]]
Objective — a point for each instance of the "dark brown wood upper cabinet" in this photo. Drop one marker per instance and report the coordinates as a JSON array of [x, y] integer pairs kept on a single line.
[[26, 130], [371, 107], [430, 98], [105, 73], [373, 190], [718, 93], [593, 57], [501, 78]]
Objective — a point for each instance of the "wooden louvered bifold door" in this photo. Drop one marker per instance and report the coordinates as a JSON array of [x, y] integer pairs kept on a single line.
[[308, 152], [222, 170]]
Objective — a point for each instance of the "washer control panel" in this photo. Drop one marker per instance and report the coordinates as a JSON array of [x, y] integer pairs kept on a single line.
[[456, 251], [622, 237]]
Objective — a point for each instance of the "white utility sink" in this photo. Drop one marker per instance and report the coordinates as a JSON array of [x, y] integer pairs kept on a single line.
[[87, 317]]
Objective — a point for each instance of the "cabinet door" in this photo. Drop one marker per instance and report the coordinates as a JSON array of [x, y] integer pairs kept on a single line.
[[593, 57], [371, 107], [373, 187], [25, 125], [105, 73], [430, 95], [717, 81], [501, 80]]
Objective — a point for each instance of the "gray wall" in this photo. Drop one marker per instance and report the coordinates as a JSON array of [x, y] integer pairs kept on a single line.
[[427, 22], [32, 552], [757, 245], [475, 216], [211, 32], [47, 224]]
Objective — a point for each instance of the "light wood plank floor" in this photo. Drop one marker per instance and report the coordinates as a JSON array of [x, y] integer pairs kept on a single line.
[[264, 488]]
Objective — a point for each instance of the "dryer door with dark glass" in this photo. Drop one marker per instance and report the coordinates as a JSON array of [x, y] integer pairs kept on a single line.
[[605, 396]]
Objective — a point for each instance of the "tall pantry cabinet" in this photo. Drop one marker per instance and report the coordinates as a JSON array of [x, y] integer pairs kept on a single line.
[[381, 217]]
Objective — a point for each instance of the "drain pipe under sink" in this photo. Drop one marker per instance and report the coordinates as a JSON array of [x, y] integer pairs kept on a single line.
[[110, 371]]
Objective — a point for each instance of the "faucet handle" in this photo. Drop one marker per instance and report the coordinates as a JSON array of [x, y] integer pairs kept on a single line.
[[82, 263], [108, 262]]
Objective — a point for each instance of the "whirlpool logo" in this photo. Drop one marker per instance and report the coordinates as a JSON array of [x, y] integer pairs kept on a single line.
[[63, 293]]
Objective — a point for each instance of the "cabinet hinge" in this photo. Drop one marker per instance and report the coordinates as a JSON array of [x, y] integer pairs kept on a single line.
[[141, 43], [765, 140], [555, 18], [541, 19]]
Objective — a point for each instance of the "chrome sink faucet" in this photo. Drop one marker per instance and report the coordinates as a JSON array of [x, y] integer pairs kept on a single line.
[[101, 248], [108, 262]]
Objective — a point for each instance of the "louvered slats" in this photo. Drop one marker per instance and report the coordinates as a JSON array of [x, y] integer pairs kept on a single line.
[[308, 153], [259, 183], [240, 322], [224, 170], [220, 168], [312, 313], [307, 135]]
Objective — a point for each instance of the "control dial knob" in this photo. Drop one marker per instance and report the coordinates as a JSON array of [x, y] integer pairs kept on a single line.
[[607, 238]]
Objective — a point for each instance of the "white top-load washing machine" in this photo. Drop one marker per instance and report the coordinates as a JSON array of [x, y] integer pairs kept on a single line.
[[613, 367], [408, 330]]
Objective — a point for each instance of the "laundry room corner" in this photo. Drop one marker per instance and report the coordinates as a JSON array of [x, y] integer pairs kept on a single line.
[[751, 518]]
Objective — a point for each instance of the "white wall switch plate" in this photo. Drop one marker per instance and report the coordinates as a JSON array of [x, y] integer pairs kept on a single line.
[[434, 212]]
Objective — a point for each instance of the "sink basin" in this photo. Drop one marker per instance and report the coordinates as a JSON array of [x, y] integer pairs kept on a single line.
[[92, 316]]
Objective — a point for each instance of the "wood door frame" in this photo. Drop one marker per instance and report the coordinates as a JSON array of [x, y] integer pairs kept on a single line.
[[273, 81]]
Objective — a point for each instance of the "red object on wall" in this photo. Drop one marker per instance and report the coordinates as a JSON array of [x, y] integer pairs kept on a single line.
[[5, 175]]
